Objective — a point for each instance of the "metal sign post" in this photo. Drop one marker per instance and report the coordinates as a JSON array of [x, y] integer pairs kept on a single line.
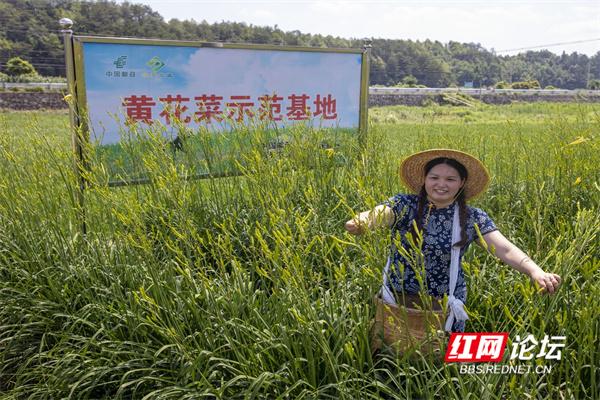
[[364, 92], [74, 116]]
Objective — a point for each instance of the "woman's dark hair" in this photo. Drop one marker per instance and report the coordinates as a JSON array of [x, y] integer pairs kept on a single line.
[[462, 203]]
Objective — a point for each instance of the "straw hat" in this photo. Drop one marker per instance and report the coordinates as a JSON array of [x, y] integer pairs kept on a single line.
[[412, 170]]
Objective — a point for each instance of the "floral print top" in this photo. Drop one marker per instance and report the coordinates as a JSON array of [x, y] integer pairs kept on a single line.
[[437, 238]]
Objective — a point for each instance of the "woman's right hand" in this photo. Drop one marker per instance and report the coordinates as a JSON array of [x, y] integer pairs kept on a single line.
[[380, 216]]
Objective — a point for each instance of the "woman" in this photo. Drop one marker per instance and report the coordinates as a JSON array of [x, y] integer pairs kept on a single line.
[[444, 181]]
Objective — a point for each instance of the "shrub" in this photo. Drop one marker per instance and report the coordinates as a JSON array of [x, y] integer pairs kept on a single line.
[[38, 79], [35, 89], [16, 66], [502, 85], [594, 84], [458, 99], [408, 81], [429, 102], [534, 84]]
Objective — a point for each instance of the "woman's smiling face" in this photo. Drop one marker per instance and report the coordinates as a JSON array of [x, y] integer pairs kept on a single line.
[[442, 184]]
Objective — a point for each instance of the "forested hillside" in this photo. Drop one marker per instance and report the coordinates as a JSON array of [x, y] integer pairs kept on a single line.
[[29, 29]]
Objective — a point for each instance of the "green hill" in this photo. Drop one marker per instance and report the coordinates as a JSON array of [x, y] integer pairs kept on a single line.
[[29, 29]]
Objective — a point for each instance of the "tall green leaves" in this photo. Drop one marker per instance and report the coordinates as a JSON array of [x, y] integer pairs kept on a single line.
[[248, 286]]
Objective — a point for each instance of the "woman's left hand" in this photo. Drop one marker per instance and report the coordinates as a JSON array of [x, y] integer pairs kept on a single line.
[[548, 282]]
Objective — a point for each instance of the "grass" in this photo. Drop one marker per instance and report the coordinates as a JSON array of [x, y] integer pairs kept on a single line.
[[248, 287], [204, 151], [529, 113]]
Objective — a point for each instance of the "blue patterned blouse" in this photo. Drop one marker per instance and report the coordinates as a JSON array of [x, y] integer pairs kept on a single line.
[[436, 247]]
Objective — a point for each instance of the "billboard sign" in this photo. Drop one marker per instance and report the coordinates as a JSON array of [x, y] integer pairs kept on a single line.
[[173, 84]]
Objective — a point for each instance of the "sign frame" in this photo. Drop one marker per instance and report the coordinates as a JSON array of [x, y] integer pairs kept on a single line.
[[80, 124], [79, 69]]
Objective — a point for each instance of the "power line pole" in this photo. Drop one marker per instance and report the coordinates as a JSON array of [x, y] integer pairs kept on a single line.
[[589, 67]]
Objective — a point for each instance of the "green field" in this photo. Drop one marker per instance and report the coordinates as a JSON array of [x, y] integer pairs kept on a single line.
[[249, 287]]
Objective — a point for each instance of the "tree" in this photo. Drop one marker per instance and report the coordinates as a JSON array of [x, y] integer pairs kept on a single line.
[[16, 66], [377, 70], [409, 81], [29, 30]]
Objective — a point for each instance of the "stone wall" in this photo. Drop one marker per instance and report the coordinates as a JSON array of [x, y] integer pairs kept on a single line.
[[419, 99], [32, 101]]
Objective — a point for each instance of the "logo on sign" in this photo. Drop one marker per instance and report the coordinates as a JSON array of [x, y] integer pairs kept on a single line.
[[156, 64], [120, 71], [120, 62]]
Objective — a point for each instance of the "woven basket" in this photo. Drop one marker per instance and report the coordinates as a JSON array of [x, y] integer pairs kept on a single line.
[[405, 329]]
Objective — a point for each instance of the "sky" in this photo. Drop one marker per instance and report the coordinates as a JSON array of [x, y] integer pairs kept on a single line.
[[507, 27]]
